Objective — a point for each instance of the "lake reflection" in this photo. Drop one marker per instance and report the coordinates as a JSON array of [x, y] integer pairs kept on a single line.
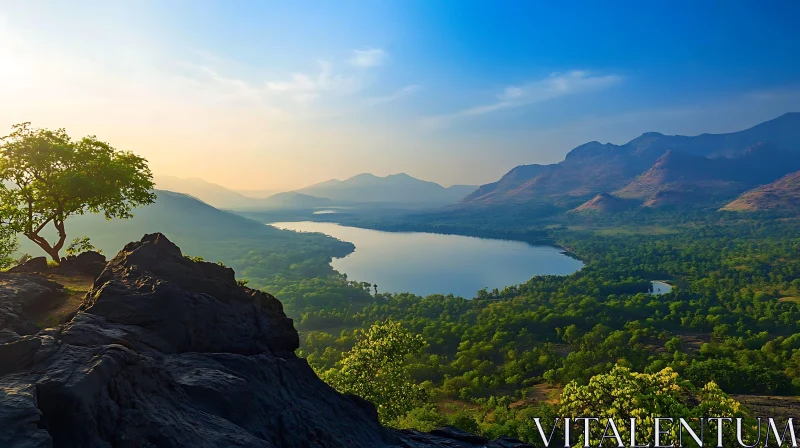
[[428, 263]]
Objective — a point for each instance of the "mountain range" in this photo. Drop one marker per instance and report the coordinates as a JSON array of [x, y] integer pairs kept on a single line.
[[783, 194], [363, 188], [395, 188], [655, 169]]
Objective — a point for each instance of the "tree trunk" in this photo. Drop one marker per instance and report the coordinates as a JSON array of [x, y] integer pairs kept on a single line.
[[52, 251]]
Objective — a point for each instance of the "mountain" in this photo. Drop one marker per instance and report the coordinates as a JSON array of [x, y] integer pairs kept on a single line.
[[679, 178], [594, 167], [395, 188], [221, 197], [197, 226], [210, 193], [292, 199], [783, 194], [606, 203], [258, 194]]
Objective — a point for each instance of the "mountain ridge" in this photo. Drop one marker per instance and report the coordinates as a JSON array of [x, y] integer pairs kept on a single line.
[[393, 188], [783, 194], [764, 151]]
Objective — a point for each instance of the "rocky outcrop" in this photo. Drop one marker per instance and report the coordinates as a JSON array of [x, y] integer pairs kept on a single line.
[[170, 352], [35, 264], [89, 263], [18, 294]]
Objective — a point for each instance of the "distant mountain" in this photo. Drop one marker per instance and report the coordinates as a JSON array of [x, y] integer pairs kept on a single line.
[[292, 199], [679, 178], [221, 197], [258, 194], [756, 155], [783, 194], [210, 193], [395, 188], [182, 217], [199, 228], [606, 203]]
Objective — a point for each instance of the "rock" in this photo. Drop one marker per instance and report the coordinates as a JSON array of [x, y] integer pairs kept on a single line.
[[89, 263], [37, 264], [20, 293], [169, 352]]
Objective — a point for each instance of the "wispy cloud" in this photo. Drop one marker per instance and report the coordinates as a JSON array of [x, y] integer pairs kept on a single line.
[[371, 57], [304, 88], [404, 92], [554, 86]]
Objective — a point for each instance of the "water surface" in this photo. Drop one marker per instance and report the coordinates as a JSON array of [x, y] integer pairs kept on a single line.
[[657, 288], [428, 263]]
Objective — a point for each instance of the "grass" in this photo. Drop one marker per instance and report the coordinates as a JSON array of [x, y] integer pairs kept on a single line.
[[790, 299], [56, 311]]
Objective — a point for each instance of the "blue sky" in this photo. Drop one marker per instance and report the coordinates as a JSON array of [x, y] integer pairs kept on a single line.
[[283, 94]]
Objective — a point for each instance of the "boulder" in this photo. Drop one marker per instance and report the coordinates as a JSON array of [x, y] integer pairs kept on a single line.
[[20, 293], [89, 263], [169, 352], [36, 264]]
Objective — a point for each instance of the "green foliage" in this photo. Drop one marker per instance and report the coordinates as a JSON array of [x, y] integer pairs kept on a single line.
[[622, 394], [79, 245], [374, 369], [54, 177], [8, 244]]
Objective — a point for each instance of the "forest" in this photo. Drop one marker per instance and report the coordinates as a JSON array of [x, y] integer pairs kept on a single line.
[[732, 319]]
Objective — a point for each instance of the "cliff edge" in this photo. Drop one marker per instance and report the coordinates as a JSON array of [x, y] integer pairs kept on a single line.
[[168, 352]]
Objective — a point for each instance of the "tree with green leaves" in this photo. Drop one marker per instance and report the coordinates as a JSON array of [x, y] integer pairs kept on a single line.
[[46, 177], [623, 394], [375, 369], [8, 244]]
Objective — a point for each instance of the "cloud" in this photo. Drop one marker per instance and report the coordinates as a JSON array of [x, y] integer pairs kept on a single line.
[[404, 92], [304, 88], [371, 57], [554, 86]]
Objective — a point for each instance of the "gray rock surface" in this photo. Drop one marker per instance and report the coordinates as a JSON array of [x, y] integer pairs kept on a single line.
[[89, 262], [168, 352], [19, 293]]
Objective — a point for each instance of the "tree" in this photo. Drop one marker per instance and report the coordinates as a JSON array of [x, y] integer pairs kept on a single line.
[[375, 370], [80, 245], [8, 244], [622, 394], [48, 177]]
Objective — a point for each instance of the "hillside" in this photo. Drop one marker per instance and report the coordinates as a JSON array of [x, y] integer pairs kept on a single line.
[[210, 193], [221, 197], [783, 194], [606, 203], [764, 152], [395, 188], [256, 250]]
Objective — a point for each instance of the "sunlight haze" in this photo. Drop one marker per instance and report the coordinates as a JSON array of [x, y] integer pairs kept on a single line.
[[276, 96]]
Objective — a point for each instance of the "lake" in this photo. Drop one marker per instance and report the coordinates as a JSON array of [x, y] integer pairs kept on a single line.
[[429, 263], [657, 288]]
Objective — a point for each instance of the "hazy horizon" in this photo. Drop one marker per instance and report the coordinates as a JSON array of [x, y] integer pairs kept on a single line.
[[280, 96]]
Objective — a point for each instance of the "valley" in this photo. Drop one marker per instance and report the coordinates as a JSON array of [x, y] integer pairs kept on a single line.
[[507, 321], [399, 224]]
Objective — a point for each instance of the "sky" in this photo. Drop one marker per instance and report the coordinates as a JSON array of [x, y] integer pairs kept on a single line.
[[280, 95]]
